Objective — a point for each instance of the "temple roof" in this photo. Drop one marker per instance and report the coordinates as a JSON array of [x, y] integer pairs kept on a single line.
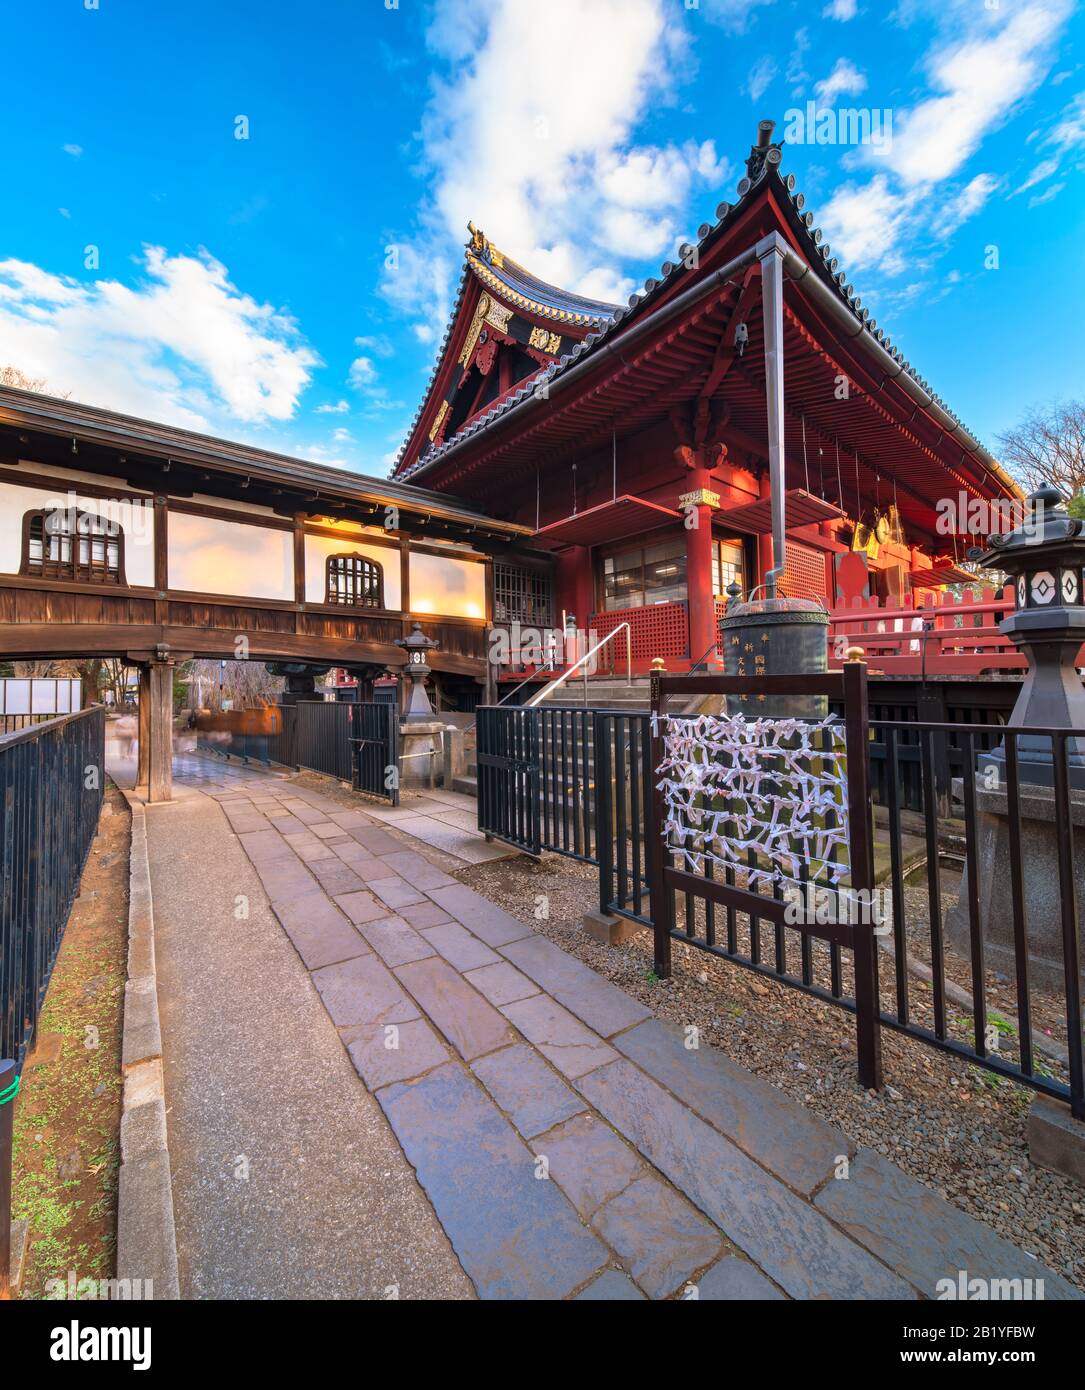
[[763, 174], [517, 285]]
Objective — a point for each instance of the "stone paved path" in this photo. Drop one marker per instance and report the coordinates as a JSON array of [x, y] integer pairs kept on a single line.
[[571, 1145]]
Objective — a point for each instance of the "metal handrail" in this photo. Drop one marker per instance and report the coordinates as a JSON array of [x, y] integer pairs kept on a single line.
[[547, 665], [560, 680]]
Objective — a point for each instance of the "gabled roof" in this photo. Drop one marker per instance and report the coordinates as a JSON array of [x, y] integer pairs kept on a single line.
[[518, 286], [488, 270], [764, 182]]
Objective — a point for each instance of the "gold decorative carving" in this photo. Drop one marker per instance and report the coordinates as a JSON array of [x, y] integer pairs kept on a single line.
[[439, 420], [702, 497]]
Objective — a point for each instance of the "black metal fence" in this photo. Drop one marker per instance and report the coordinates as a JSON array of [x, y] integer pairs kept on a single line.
[[374, 740], [956, 966], [51, 788], [323, 737]]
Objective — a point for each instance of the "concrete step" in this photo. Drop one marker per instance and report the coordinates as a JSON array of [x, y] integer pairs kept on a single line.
[[468, 785]]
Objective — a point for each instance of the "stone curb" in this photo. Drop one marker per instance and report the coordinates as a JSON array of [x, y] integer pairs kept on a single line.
[[146, 1235]]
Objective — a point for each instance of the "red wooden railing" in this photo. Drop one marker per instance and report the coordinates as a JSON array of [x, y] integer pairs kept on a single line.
[[929, 633]]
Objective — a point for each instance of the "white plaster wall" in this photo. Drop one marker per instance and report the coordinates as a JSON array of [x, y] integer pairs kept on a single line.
[[447, 587], [135, 518], [317, 550], [210, 556]]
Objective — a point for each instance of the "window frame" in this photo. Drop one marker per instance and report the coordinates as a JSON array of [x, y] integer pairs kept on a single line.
[[361, 564], [71, 571]]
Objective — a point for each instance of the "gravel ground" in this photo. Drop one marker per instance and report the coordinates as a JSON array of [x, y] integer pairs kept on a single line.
[[954, 1127]]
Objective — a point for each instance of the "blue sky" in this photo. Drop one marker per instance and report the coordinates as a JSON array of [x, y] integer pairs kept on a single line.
[[291, 288]]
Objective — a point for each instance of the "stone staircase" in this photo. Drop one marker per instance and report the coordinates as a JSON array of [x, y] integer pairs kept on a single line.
[[606, 692]]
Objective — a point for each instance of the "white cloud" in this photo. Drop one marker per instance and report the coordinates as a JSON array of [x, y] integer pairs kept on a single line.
[[74, 150], [761, 76], [844, 80], [732, 15], [184, 346], [1052, 191], [955, 211], [796, 64], [865, 224], [362, 373], [842, 10], [979, 81], [558, 181], [338, 408]]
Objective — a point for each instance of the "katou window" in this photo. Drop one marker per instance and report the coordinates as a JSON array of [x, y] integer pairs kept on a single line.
[[355, 581], [65, 543]]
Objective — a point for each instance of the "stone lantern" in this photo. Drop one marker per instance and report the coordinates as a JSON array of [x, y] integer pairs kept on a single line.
[[417, 646], [1045, 557]]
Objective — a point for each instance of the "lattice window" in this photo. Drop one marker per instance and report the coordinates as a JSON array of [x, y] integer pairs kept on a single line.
[[523, 596], [64, 543], [804, 572], [355, 581]]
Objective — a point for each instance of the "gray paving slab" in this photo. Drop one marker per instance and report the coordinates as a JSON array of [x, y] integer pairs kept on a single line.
[[788, 1238], [794, 1144], [395, 892], [611, 1287], [922, 1236], [736, 1280], [589, 1161], [516, 1235], [469, 1022], [595, 1001], [661, 1238], [417, 870], [559, 1036], [502, 983], [387, 1052], [459, 947], [361, 907], [425, 914], [395, 941], [526, 1089], [494, 925], [363, 990], [320, 934]]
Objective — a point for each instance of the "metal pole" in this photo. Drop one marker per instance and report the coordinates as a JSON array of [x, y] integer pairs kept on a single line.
[[772, 302], [661, 895], [7, 1118]]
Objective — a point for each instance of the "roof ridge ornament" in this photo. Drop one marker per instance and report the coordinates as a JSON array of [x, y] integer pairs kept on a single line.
[[484, 249], [764, 154]]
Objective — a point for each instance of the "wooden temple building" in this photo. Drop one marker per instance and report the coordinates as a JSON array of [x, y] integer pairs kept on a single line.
[[635, 443]]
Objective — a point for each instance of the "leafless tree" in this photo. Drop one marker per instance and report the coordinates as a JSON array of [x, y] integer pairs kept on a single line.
[[246, 684], [1048, 447]]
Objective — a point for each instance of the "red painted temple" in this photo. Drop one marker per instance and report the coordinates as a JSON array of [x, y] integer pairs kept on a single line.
[[638, 441]]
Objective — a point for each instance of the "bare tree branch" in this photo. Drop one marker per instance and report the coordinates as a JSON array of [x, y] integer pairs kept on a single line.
[[1048, 447]]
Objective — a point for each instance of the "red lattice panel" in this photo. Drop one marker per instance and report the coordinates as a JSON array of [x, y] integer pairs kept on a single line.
[[804, 572], [661, 629]]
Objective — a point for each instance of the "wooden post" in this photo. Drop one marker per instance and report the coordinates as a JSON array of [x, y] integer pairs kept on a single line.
[[160, 714], [860, 835], [144, 753]]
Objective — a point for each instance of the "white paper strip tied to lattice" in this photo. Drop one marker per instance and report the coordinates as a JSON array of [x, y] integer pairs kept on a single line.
[[777, 787]]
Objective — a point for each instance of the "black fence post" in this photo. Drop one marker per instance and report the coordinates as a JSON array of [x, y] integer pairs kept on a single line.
[[860, 834], [8, 1089], [660, 894], [604, 844]]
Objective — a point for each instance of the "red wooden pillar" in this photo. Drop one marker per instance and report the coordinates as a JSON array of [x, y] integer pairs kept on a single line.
[[697, 507]]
